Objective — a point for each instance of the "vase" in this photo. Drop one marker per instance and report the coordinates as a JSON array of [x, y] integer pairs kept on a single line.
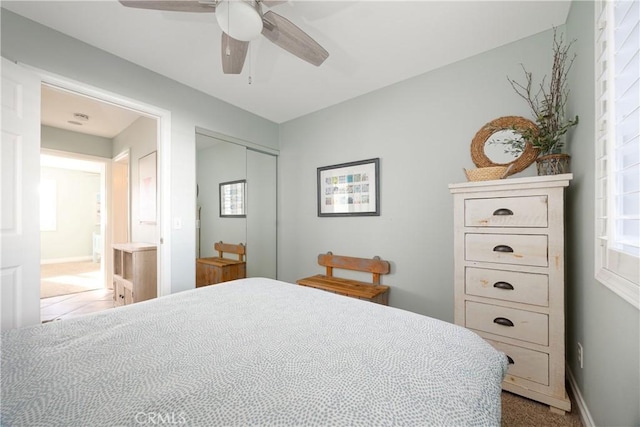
[[553, 164]]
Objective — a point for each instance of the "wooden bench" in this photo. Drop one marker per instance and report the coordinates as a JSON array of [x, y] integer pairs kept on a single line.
[[210, 271], [374, 292]]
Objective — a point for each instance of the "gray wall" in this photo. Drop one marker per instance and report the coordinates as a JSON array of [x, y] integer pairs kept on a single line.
[[76, 214], [607, 326], [33, 44], [141, 138], [421, 130], [74, 142]]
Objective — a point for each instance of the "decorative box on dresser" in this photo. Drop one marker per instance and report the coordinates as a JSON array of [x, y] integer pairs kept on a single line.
[[509, 278], [134, 272]]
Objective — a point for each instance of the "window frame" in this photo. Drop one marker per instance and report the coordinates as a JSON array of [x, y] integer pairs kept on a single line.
[[616, 270]]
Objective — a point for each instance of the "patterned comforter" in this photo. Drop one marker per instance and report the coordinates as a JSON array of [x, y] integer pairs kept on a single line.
[[250, 352]]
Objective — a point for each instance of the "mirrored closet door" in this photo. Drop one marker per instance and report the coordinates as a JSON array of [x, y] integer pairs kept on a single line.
[[219, 160]]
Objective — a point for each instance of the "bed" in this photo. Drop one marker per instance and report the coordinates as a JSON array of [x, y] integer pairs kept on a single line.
[[250, 352]]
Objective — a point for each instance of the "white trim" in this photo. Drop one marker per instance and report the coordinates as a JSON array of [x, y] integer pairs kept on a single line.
[[163, 118], [614, 270], [248, 144], [583, 411], [628, 291], [63, 260]]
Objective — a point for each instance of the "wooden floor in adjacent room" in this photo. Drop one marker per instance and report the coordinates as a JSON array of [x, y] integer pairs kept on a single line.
[[72, 289], [69, 278]]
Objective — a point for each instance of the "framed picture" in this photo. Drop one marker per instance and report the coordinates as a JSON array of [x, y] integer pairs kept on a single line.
[[233, 199], [147, 190], [349, 189]]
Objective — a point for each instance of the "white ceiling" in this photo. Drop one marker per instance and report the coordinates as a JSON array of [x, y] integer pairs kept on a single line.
[[102, 119], [372, 44]]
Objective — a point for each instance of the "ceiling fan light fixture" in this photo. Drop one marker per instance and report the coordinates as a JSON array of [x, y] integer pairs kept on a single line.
[[240, 19]]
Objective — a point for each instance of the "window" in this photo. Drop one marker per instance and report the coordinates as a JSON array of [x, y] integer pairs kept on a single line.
[[618, 147]]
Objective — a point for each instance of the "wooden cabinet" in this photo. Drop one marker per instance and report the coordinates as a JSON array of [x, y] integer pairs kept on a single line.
[[210, 271], [134, 272], [509, 277]]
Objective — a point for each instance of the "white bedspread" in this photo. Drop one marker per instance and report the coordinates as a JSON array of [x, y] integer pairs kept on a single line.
[[250, 352]]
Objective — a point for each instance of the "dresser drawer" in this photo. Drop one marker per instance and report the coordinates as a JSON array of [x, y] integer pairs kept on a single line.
[[518, 249], [513, 286], [508, 322], [524, 363], [530, 211]]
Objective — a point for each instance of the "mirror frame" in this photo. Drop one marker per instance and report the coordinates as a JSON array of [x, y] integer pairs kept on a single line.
[[514, 123]]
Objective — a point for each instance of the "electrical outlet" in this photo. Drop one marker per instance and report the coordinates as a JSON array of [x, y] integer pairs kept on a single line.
[[580, 355]]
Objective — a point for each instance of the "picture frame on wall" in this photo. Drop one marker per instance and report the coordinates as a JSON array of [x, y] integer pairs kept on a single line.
[[147, 189], [233, 199], [349, 189]]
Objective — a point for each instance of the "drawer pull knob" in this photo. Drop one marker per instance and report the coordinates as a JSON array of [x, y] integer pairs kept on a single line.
[[503, 248], [502, 321], [510, 360], [502, 212], [503, 285]]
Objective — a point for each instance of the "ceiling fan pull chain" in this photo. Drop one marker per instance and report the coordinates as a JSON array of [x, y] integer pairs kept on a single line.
[[227, 50], [250, 63]]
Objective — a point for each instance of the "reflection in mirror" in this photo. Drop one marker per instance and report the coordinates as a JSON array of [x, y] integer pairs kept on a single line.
[[218, 162], [493, 144], [232, 199], [497, 149], [221, 159]]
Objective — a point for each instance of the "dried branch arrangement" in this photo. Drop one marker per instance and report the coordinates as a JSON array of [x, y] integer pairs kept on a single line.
[[547, 103]]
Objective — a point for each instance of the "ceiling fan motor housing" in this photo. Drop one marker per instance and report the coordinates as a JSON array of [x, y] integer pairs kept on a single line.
[[241, 20]]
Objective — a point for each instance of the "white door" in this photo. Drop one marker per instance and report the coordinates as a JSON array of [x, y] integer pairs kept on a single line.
[[20, 213]]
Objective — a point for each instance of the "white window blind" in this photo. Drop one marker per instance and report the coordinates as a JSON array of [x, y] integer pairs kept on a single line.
[[618, 147]]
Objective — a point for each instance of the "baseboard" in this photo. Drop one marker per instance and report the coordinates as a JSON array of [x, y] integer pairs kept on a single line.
[[583, 411], [71, 259]]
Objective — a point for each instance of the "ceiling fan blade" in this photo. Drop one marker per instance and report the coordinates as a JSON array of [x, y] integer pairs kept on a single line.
[[172, 5], [233, 54], [272, 3], [285, 34]]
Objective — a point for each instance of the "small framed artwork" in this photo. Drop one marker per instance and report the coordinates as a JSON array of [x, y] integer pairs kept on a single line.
[[349, 189], [147, 188], [233, 199]]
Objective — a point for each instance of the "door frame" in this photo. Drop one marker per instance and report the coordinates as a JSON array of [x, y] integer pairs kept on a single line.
[[163, 120]]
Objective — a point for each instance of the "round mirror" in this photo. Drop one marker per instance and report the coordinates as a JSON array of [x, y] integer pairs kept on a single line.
[[498, 143]]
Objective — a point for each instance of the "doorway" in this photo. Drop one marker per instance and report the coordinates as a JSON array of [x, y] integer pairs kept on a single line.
[[72, 191], [80, 128], [21, 153]]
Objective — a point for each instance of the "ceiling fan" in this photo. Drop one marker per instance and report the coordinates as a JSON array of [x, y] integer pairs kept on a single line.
[[242, 21]]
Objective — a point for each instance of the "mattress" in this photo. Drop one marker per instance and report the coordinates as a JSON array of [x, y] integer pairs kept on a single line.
[[250, 352]]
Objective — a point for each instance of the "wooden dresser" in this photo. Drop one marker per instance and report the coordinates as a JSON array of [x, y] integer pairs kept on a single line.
[[134, 272], [509, 277]]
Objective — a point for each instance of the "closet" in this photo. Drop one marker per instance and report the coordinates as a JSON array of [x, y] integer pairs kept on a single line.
[[221, 159]]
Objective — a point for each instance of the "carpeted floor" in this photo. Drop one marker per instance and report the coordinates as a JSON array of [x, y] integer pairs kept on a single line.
[[521, 412], [69, 278]]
